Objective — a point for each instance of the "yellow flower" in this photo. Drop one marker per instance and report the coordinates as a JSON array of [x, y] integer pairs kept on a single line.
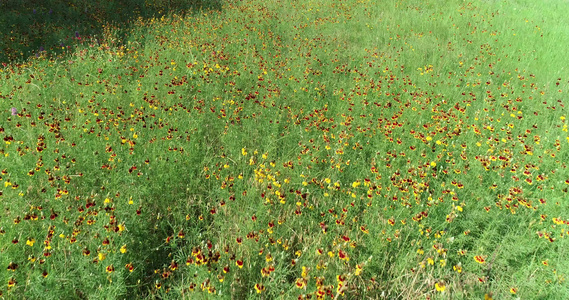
[[457, 268], [358, 270], [30, 242], [440, 287], [12, 282], [300, 283], [259, 288], [304, 272], [479, 259], [110, 269], [123, 249]]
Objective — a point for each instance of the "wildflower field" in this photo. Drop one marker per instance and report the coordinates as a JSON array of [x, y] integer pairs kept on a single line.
[[316, 149]]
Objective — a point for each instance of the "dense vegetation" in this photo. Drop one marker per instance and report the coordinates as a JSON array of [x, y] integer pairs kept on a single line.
[[324, 149]]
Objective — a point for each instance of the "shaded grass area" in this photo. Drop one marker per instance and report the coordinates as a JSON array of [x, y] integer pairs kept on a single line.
[[50, 27]]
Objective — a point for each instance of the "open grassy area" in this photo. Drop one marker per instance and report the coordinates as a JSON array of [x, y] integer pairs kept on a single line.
[[317, 149]]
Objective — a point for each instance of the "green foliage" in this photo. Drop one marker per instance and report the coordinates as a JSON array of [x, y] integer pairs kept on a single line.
[[267, 149]]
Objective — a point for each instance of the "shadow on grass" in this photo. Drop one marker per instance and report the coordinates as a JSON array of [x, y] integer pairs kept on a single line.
[[167, 200], [30, 27]]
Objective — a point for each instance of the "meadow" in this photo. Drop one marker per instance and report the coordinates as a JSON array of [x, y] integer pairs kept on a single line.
[[317, 149]]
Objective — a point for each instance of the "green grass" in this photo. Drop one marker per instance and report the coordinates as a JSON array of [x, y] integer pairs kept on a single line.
[[260, 149]]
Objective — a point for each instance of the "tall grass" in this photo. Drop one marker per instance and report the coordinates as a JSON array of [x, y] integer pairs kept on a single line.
[[306, 149]]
